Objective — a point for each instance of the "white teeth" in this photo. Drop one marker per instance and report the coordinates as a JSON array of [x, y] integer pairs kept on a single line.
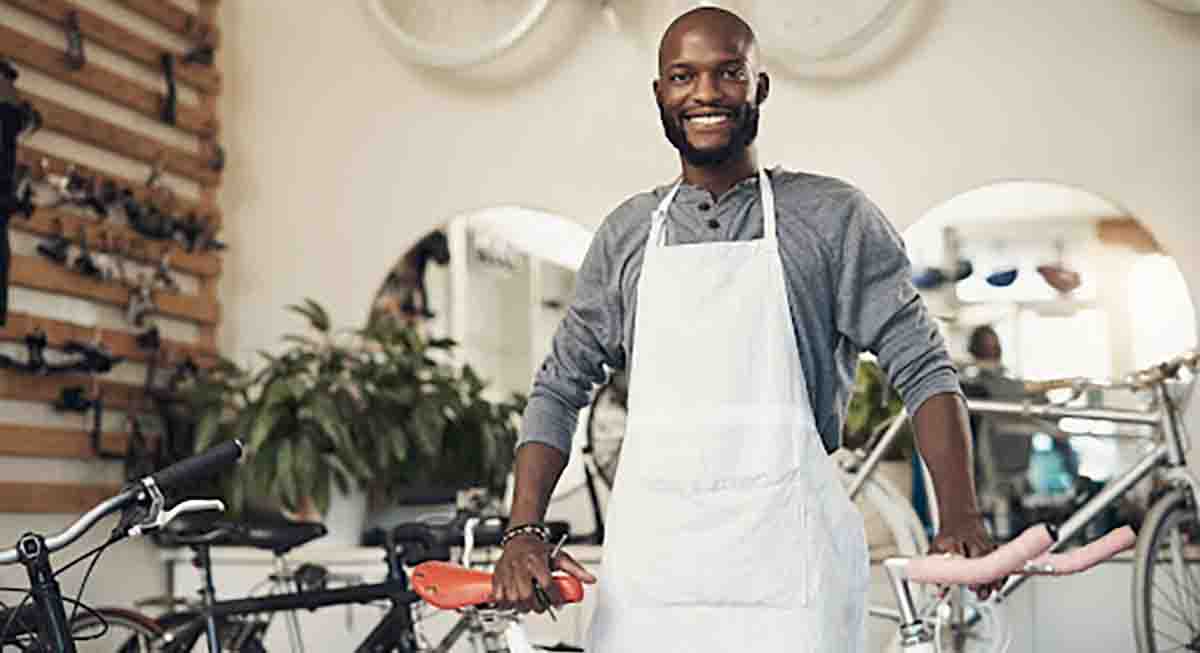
[[708, 120]]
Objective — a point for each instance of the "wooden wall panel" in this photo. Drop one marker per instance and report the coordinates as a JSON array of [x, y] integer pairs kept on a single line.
[[33, 157], [100, 81], [40, 274], [53, 497], [101, 133], [96, 28], [47, 222], [188, 155], [119, 343]]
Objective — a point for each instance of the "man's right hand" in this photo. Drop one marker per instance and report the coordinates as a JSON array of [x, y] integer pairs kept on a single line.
[[526, 559]]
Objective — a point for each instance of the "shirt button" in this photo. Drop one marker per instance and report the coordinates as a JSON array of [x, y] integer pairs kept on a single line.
[[704, 206], [713, 224]]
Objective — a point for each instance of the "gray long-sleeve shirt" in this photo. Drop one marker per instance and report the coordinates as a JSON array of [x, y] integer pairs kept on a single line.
[[848, 286]]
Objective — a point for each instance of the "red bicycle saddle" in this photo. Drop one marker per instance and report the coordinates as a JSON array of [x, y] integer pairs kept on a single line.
[[450, 587]]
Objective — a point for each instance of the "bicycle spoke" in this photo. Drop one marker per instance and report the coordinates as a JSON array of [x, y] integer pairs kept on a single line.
[[1181, 617], [1189, 597], [1174, 610]]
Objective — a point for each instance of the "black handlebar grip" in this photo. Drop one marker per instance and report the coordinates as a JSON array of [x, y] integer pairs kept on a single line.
[[415, 533], [200, 465]]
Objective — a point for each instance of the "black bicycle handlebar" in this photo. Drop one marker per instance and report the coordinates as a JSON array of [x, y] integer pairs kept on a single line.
[[185, 470], [199, 466]]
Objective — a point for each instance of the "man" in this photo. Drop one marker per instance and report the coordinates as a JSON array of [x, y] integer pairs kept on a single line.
[[750, 294]]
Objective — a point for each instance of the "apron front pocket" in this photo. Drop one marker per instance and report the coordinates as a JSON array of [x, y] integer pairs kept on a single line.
[[738, 547], [726, 447]]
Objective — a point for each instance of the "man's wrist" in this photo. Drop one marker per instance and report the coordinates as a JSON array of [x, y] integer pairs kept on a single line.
[[959, 515], [536, 530]]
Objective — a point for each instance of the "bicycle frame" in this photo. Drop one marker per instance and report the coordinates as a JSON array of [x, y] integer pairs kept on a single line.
[[1169, 453], [396, 619], [395, 631]]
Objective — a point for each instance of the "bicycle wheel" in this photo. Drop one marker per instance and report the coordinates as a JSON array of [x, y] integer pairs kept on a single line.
[[893, 528], [236, 635], [456, 34], [1166, 577], [115, 629], [606, 426]]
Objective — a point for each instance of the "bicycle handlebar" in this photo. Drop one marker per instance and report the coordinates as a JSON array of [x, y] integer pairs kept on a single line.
[[200, 465], [1027, 554], [1085, 557], [1138, 380], [142, 490]]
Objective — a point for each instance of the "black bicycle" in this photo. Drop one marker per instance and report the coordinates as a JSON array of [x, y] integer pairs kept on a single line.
[[417, 556], [39, 622]]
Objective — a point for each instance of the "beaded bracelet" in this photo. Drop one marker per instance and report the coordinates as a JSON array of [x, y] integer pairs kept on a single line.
[[540, 531]]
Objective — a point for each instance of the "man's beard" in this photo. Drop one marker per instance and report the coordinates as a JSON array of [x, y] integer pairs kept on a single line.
[[745, 130]]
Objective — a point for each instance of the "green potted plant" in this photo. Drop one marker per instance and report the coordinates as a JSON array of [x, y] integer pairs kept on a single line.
[[378, 409], [872, 406]]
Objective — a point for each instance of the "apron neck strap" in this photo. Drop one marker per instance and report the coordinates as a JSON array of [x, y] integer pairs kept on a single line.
[[659, 217]]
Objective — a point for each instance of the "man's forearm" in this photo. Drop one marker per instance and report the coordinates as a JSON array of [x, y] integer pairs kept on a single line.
[[537, 469], [943, 437]]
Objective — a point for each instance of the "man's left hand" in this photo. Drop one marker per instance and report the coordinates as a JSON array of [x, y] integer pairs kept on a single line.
[[966, 536]]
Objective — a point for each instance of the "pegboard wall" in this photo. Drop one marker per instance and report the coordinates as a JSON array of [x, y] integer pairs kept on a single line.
[[117, 251]]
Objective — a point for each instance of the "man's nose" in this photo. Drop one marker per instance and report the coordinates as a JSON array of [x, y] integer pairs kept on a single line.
[[707, 88]]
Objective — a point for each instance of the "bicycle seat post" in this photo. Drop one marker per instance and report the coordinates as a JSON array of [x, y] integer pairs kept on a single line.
[[203, 562]]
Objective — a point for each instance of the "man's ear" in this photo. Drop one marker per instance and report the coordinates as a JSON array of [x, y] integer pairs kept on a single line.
[[764, 88], [654, 87]]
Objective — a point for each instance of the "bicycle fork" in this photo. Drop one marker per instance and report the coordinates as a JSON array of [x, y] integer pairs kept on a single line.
[[915, 634]]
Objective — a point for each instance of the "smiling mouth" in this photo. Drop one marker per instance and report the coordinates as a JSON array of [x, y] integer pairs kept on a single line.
[[708, 119]]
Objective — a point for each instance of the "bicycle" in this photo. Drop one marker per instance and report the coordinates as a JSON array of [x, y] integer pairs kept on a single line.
[[1171, 527], [43, 627], [1026, 555], [419, 574]]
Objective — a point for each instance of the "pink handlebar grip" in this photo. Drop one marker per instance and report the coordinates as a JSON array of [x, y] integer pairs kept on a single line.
[[1086, 556], [1005, 560]]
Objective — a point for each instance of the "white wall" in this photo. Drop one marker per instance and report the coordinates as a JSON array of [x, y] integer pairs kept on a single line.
[[340, 155]]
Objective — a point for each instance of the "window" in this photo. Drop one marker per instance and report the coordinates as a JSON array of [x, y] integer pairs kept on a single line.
[[1166, 322]]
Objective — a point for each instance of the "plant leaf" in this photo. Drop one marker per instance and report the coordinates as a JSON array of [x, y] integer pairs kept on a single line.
[[206, 429], [263, 423], [316, 314]]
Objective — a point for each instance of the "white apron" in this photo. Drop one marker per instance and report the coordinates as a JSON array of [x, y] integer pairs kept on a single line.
[[728, 529]]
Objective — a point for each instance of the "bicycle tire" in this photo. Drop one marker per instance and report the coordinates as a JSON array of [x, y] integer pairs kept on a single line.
[[1174, 510], [424, 53], [606, 426], [197, 643], [128, 631]]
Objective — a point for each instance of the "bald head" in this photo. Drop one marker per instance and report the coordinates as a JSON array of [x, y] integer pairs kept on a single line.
[[709, 89], [713, 23]]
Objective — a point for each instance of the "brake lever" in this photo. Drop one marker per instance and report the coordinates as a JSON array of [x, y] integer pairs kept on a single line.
[[163, 518]]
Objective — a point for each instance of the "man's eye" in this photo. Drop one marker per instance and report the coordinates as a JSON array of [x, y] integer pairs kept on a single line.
[[735, 73], [680, 77]]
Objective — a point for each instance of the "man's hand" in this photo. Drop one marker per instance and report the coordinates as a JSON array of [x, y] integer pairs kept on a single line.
[[966, 536], [526, 559]]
